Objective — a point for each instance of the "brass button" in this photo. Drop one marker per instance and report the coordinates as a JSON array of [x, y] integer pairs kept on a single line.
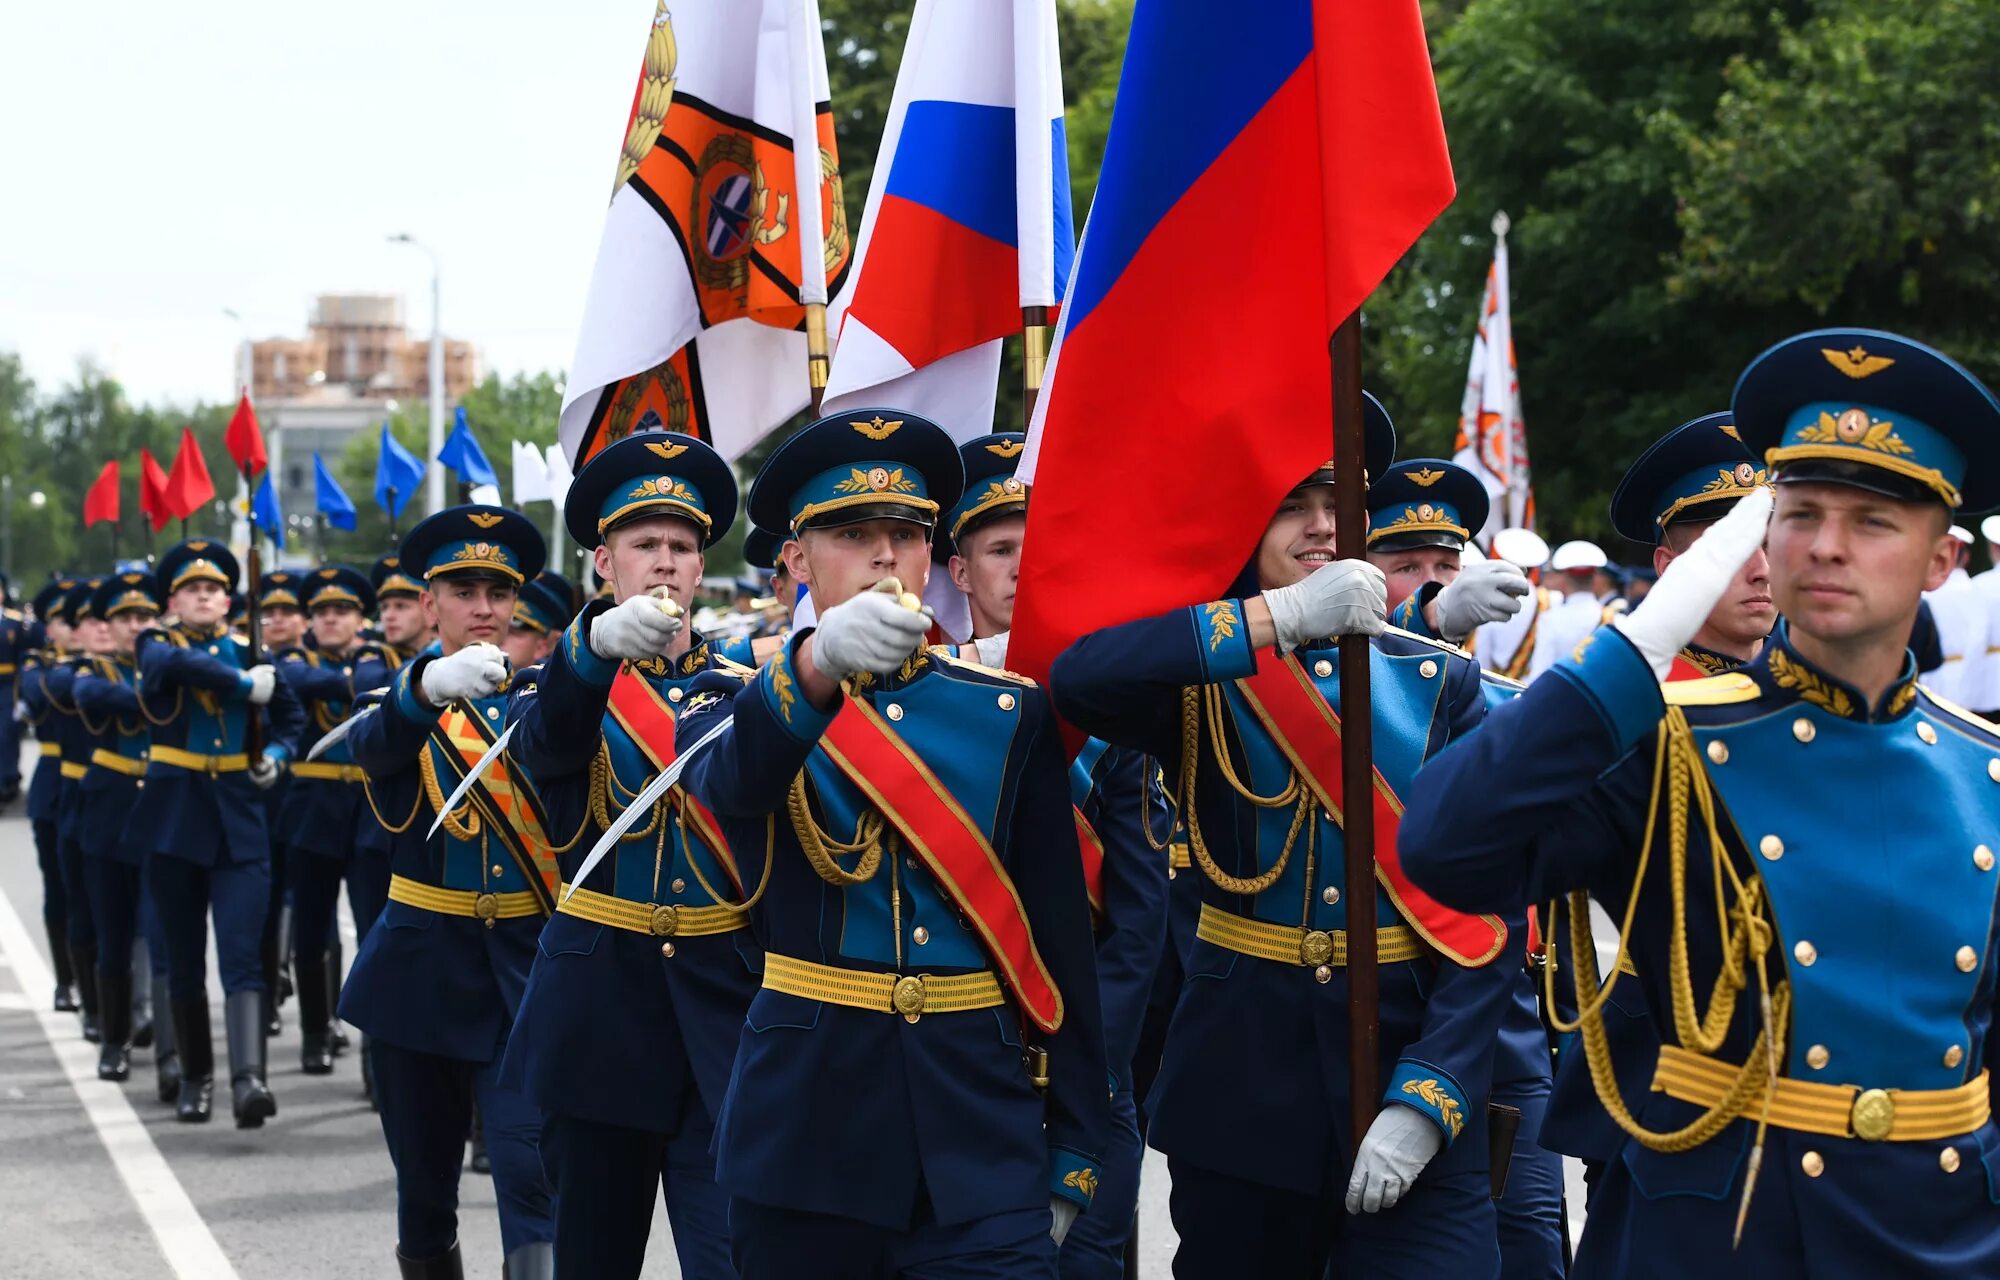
[[920, 935], [486, 907], [1805, 953], [1967, 959], [1172, 874], [499, 870], [1873, 1116], [1816, 1057], [1771, 847], [1006, 702], [1982, 857], [1803, 729], [1812, 1164], [1718, 751], [679, 885], [1428, 670], [1316, 948], [667, 950], [907, 998], [674, 695], [1323, 974], [213, 649], [1948, 1159], [1953, 1056], [1993, 770], [492, 713], [1322, 668], [1329, 895], [1928, 734], [894, 711], [666, 921]]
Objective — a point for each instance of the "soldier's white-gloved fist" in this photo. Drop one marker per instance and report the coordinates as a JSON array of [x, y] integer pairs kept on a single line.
[[992, 650], [1680, 602], [266, 769], [635, 630], [1483, 591], [1345, 598], [20, 712], [1063, 1215], [1398, 1146], [476, 671], [872, 632], [258, 683]]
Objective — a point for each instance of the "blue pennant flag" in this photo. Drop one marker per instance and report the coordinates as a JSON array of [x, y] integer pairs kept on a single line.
[[264, 512], [398, 475], [462, 454], [331, 499]]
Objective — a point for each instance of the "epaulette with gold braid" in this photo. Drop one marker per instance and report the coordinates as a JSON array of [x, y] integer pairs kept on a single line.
[[1711, 691], [945, 655]]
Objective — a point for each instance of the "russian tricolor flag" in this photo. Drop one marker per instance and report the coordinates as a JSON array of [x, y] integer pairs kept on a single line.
[[968, 218], [1267, 165]]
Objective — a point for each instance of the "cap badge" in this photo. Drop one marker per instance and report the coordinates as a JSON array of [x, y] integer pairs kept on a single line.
[[1856, 363], [484, 519], [329, 574], [1730, 431], [1006, 449], [1425, 478], [1854, 427], [1012, 484], [197, 545], [877, 429], [664, 487], [876, 479], [667, 451], [480, 551]]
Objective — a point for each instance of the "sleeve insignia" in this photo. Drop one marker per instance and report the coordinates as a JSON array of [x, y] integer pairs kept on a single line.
[[1434, 1095], [1084, 1180], [1222, 622], [700, 702]]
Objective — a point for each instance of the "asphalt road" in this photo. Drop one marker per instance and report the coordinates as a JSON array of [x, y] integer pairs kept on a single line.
[[100, 1182]]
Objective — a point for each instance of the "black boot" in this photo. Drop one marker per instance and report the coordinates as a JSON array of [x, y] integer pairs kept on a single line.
[[65, 980], [530, 1262], [480, 1162], [315, 1051], [83, 960], [446, 1266], [197, 1082], [166, 1052], [142, 997], [243, 1019], [114, 998], [335, 1036]]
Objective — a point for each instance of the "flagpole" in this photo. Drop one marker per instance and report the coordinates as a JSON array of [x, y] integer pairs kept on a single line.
[[253, 724], [818, 361], [1034, 359], [1357, 746]]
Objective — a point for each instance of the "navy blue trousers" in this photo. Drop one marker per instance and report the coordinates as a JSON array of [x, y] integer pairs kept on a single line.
[[1095, 1246], [1531, 1210], [604, 1178], [316, 884], [783, 1244], [55, 898], [239, 893], [80, 922], [426, 1104], [124, 913]]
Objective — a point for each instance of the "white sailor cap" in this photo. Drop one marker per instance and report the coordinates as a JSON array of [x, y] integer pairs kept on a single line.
[[1577, 554], [1522, 546], [1990, 529], [1962, 533]]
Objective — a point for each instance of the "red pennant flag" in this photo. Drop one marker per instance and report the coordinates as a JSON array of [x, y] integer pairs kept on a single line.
[[244, 440], [188, 485], [153, 491], [101, 502]]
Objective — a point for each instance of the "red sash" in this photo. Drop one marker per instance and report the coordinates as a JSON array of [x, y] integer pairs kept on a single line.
[[1306, 729], [933, 823], [1684, 670], [649, 722], [1092, 848], [510, 803]]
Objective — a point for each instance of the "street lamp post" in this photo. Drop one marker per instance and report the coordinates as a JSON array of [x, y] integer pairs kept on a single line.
[[434, 472]]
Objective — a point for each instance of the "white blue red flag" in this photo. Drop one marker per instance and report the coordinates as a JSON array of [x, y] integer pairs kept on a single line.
[[1492, 435], [968, 219]]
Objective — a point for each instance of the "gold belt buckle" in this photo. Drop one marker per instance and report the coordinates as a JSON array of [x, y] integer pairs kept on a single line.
[[486, 907], [1873, 1116], [908, 998], [1316, 948], [666, 920], [213, 764]]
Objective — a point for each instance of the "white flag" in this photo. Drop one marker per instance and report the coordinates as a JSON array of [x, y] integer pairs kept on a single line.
[[1492, 436], [557, 465], [531, 474]]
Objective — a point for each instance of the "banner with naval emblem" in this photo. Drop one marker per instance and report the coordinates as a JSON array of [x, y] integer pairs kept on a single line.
[[721, 233]]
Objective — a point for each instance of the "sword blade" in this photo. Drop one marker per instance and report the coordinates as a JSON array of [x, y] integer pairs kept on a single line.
[[335, 735], [465, 783], [643, 803]]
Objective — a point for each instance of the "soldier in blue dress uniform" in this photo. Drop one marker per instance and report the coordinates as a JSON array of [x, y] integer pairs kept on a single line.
[[281, 621], [437, 981], [200, 823], [87, 638], [1251, 1103], [16, 641], [1802, 851], [51, 653], [920, 1087], [541, 612], [631, 1016]]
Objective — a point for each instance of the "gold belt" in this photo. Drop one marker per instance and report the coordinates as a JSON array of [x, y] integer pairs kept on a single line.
[[1177, 856], [1292, 944], [913, 996], [126, 765], [464, 902], [51, 748], [6, 668], [72, 770], [660, 920], [325, 772], [1833, 1110], [199, 763]]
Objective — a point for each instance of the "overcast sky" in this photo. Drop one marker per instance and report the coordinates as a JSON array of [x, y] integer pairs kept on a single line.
[[164, 161]]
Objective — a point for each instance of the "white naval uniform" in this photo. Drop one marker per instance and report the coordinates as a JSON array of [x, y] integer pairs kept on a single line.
[[1962, 612], [1563, 628]]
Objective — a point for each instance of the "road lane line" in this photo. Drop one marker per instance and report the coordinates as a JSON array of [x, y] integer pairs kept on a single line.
[[190, 1248]]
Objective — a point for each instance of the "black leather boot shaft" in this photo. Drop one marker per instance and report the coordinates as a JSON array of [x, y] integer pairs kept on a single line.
[[196, 1088], [243, 1020], [315, 1044], [83, 962], [114, 1003], [446, 1266]]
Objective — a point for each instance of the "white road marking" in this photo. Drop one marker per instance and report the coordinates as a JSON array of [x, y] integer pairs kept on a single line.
[[190, 1248], [16, 1002]]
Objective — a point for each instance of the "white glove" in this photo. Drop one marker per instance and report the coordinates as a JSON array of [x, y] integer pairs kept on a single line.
[[1345, 598], [476, 671], [1063, 1213], [266, 769], [992, 650], [20, 713], [1483, 591], [263, 680], [635, 630], [1398, 1146], [1680, 602], [872, 632]]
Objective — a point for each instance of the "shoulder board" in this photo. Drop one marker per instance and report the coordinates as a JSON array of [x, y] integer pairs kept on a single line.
[[1440, 645], [170, 634], [730, 666], [1505, 682], [1957, 712], [939, 653], [1710, 691]]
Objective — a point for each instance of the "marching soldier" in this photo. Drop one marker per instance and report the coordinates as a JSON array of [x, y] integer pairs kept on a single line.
[[44, 787], [281, 621], [1816, 938], [1251, 1102], [200, 818], [16, 641], [540, 614], [401, 623], [631, 1016], [921, 1083], [437, 981], [88, 637], [1123, 827]]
